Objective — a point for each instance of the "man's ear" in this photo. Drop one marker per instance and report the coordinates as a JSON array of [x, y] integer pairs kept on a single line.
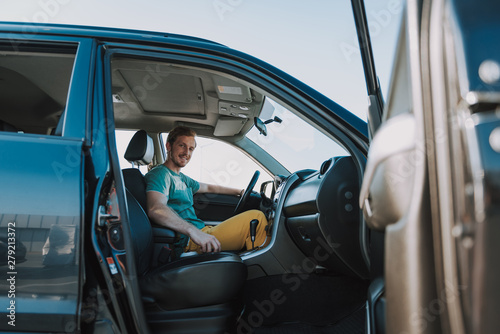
[[168, 146]]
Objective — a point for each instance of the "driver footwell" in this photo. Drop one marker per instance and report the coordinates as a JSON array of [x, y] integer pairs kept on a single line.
[[352, 324], [301, 303]]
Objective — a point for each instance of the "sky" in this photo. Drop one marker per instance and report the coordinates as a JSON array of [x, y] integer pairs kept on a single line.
[[312, 40]]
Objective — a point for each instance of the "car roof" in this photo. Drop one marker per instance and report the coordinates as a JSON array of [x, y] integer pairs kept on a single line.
[[201, 104], [97, 32]]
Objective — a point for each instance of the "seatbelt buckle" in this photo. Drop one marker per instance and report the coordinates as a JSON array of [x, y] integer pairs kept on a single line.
[[165, 255]]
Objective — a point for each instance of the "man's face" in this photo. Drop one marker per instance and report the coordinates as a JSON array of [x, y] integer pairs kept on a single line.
[[181, 150]]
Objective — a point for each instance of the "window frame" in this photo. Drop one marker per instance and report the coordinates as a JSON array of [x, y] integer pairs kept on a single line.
[[77, 113]]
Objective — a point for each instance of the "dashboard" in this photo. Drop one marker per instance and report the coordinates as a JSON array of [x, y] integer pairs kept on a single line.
[[316, 220]]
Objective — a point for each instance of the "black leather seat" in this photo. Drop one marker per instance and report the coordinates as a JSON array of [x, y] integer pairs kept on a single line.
[[200, 293]]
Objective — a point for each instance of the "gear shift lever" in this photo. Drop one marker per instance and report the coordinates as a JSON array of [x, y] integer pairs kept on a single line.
[[253, 230]]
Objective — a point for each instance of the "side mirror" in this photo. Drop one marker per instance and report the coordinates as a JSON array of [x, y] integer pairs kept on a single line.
[[389, 173], [267, 188]]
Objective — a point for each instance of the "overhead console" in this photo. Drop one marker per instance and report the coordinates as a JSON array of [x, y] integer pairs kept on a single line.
[[237, 104], [323, 218], [231, 90]]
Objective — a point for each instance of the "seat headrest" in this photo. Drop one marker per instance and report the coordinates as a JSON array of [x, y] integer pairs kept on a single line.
[[140, 150]]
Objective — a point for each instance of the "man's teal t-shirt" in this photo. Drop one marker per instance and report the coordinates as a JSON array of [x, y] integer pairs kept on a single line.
[[179, 190]]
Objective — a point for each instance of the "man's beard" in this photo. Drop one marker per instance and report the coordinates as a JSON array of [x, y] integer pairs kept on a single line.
[[177, 159]]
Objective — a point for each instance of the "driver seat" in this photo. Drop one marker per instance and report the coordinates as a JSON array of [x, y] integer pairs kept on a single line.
[[201, 293]]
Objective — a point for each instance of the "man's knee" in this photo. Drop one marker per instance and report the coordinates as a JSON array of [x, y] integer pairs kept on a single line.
[[259, 215], [256, 214]]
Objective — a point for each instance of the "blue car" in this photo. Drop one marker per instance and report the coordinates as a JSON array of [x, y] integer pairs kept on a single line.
[[385, 226]]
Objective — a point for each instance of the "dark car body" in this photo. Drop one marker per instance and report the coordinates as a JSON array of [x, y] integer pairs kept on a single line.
[[60, 178], [396, 235]]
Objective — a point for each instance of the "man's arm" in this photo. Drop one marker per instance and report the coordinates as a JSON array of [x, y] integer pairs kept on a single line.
[[216, 189], [161, 214]]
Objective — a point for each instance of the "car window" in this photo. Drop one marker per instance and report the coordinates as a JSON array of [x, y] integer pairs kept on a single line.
[[216, 162], [34, 84], [294, 143]]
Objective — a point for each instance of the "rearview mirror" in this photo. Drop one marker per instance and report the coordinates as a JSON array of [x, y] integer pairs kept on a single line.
[[259, 124]]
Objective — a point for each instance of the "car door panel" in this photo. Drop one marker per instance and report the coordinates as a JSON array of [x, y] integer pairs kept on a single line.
[[213, 208], [42, 179], [41, 282]]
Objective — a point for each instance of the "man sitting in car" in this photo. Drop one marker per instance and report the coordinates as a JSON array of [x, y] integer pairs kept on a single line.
[[170, 203]]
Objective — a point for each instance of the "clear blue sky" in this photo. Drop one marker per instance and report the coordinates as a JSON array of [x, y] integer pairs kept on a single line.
[[312, 40]]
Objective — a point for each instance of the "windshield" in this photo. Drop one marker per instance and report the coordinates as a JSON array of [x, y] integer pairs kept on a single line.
[[294, 143]]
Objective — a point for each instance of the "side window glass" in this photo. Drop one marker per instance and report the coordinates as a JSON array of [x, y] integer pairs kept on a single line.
[[34, 84], [216, 162]]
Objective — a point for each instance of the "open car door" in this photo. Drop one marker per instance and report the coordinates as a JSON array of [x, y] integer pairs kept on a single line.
[[432, 171]]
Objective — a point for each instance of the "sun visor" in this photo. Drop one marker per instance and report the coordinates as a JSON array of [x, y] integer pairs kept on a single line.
[[166, 92], [229, 126]]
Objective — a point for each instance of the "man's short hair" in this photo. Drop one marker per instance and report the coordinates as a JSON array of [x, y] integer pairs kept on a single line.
[[178, 132]]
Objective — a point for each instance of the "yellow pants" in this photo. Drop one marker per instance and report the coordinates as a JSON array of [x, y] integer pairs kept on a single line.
[[234, 233]]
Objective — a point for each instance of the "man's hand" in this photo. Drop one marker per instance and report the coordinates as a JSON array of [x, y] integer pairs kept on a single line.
[[208, 243], [161, 214]]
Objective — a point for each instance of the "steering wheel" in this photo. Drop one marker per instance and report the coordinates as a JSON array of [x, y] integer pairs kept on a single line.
[[246, 194]]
